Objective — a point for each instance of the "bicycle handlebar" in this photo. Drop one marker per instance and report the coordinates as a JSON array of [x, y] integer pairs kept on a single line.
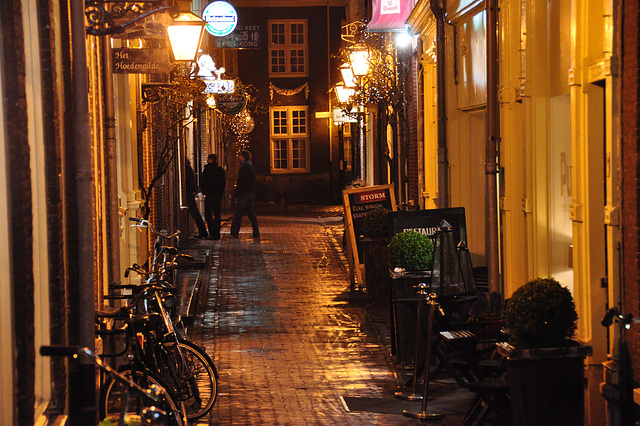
[[143, 223], [154, 393]]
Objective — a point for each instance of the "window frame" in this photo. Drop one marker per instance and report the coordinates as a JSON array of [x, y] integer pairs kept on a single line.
[[289, 137], [289, 47]]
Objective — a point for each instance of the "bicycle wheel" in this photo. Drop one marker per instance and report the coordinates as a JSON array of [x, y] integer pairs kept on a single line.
[[202, 378], [114, 394]]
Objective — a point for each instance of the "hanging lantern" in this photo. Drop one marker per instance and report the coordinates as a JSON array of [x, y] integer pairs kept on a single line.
[[185, 35], [359, 58], [245, 122], [446, 275], [466, 267], [344, 94]]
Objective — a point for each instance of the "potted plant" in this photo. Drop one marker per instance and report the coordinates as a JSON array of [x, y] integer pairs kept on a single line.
[[545, 365], [376, 223], [410, 258], [410, 251], [374, 240], [486, 314]]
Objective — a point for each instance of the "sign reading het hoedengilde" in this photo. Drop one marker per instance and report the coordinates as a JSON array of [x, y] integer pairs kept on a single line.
[[141, 61]]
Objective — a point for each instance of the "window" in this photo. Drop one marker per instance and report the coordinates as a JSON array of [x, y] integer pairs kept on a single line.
[[289, 139], [288, 48]]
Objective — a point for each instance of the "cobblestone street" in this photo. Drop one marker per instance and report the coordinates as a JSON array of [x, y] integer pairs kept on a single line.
[[290, 344]]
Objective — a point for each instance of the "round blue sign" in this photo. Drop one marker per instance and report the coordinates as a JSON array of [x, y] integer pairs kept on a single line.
[[221, 18]]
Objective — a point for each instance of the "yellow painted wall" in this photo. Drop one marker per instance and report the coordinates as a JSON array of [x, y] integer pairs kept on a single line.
[[557, 151]]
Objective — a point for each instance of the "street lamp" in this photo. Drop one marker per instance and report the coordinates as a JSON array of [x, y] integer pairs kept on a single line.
[[185, 35], [359, 58], [348, 76], [353, 76], [344, 94]]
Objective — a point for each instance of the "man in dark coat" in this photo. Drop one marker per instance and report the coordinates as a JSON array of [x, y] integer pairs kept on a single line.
[[192, 189], [212, 184], [245, 196]]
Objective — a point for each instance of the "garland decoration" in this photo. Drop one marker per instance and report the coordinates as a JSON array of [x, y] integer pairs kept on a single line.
[[289, 92]]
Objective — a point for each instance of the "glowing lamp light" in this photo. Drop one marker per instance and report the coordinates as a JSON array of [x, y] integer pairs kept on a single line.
[[185, 35], [211, 101], [344, 93], [403, 40], [359, 61], [348, 76]]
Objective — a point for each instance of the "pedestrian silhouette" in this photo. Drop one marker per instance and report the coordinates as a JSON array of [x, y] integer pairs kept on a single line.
[[212, 184], [245, 196], [192, 189]]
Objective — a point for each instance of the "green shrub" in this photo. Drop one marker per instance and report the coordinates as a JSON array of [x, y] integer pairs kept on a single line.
[[411, 251], [375, 223], [541, 314]]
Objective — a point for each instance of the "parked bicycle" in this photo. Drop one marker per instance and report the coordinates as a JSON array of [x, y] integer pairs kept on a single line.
[[153, 346], [163, 262], [155, 338], [142, 401]]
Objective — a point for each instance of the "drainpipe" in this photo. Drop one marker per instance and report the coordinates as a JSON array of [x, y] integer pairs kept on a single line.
[[492, 132], [83, 402], [330, 119], [112, 213], [437, 8]]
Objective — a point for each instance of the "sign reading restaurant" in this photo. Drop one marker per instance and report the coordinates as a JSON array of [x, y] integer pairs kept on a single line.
[[244, 37], [221, 18]]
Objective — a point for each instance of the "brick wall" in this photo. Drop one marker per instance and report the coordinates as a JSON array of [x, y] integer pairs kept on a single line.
[[630, 130]]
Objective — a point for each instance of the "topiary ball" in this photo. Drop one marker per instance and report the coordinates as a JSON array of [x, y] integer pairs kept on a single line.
[[375, 223], [411, 251], [541, 314]]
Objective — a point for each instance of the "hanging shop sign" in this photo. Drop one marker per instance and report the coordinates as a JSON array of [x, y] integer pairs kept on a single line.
[[231, 103], [341, 116], [219, 86], [221, 18], [212, 76], [390, 15], [141, 61]]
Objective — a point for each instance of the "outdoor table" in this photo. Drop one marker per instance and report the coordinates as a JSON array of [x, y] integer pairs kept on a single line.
[[464, 353]]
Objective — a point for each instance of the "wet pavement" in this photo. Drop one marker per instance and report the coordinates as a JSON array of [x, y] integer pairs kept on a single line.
[[292, 344]]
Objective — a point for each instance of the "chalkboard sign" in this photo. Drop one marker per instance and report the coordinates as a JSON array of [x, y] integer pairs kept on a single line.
[[357, 203], [427, 222]]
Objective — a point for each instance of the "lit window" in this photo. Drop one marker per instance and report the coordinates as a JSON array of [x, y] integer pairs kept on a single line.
[[289, 139], [288, 48]]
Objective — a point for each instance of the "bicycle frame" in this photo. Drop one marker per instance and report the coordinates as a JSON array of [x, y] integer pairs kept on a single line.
[[148, 331], [154, 395]]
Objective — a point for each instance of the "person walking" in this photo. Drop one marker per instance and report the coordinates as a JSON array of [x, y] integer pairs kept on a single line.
[[212, 184], [245, 196], [192, 189]]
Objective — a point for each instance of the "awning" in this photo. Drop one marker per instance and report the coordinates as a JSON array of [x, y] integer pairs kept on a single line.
[[390, 15]]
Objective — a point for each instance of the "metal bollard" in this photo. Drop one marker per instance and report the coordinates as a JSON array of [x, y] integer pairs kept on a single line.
[[423, 415]]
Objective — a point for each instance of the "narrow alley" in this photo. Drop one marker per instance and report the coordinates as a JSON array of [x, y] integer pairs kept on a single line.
[[290, 344]]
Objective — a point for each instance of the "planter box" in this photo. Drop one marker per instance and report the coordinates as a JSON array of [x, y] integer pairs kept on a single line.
[[546, 385], [404, 306], [374, 251]]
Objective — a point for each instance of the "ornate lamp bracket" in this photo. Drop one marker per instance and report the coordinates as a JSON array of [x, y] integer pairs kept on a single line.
[[105, 17]]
